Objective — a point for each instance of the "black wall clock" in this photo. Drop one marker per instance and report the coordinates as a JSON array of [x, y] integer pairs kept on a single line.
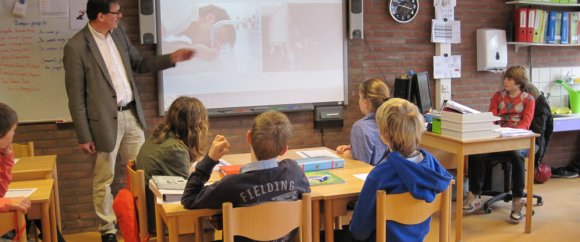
[[403, 11]]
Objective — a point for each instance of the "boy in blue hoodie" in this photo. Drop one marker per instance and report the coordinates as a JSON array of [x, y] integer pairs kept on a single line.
[[406, 169]]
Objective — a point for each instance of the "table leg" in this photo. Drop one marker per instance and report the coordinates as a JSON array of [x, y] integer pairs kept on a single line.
[[199, 233], [172, 229], [316, 221], [159, 224], [56, 198], [459, 195], [530, 185], [53, 219], [328, 220], [46, 235]]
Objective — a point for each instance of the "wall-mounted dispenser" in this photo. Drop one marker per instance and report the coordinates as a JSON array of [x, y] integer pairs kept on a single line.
[[491, 50]]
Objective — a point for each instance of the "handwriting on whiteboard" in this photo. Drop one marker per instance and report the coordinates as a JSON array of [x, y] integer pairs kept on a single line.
[[28, 51]]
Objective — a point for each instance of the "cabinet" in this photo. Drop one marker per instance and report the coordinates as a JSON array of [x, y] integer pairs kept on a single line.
[[539, 5]]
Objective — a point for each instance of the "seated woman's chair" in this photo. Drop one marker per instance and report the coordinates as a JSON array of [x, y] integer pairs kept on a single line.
[[133, 226], [504, 195], [268, 220], [137, 187], [404, 209], [13, 221], [542, 124]]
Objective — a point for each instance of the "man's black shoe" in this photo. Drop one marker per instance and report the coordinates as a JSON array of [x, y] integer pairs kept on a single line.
[[109, 238], [562, 172]]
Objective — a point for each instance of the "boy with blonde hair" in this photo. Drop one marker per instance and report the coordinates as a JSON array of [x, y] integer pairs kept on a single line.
[[262, 180], [406, 169]]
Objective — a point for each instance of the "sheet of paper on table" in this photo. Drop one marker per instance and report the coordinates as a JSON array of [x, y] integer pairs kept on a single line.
[[22, 192], [316, 153]]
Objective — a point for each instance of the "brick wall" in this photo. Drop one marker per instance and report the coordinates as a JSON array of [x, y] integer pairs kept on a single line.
[[389, 50]]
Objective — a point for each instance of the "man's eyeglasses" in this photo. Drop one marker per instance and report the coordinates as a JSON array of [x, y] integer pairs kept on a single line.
[[117, 12]]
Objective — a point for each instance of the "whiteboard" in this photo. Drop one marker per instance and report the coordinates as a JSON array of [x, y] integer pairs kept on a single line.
[[31, 52]]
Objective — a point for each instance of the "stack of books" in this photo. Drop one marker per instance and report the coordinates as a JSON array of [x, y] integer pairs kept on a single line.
[[461, 122], [167, 188]]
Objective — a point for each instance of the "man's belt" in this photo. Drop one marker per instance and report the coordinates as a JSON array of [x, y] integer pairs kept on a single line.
[[126, 107]]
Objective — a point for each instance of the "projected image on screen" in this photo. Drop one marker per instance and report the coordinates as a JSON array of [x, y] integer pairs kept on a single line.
[[254, 53]]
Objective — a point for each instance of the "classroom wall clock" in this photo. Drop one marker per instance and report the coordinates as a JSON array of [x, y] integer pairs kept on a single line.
[[403, 11]]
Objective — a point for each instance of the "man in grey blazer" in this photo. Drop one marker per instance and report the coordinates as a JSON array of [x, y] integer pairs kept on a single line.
[[104, 102]]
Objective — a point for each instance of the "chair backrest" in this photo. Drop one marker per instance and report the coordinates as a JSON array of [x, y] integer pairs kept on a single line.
[[23, 150], [136, 180], [268, 220], [13, 221], [405, 209]]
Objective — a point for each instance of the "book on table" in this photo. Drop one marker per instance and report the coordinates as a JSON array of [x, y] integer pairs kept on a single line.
[[230, 169], [468, 126], [468, 117], [167, 195], [320, 163], [452, 106], [469, 134], [169, 182], [322, 178]]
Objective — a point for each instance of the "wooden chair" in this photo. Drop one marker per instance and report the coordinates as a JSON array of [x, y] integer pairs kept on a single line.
[[405, 209], [269, 220], [136, 179], [13, 221], [23, 150]]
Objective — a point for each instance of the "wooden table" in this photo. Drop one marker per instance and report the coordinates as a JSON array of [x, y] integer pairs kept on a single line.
[[481, 146], [334, 198], [43, 206], [38, 168]]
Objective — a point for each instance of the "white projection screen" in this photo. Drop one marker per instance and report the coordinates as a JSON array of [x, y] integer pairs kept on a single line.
[[254, 53]]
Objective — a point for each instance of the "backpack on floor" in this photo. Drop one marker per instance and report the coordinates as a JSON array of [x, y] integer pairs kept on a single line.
[[542, 173]]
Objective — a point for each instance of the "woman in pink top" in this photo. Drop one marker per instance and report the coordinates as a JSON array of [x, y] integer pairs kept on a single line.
[[8, 122], [515, 107]]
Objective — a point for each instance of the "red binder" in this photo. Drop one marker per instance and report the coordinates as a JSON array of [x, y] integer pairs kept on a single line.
[[530, 25], [521, 24]]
